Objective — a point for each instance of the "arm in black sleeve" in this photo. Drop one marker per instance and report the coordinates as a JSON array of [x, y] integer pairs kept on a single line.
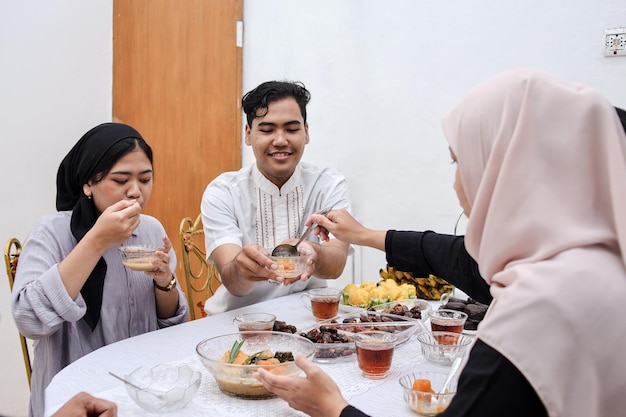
[[425, 253], [350, 411]]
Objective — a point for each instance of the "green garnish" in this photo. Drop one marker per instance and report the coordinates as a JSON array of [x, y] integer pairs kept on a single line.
[[252, 359], [235, 350]]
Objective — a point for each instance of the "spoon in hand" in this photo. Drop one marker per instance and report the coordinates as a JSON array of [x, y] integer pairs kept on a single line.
[[287, 250]]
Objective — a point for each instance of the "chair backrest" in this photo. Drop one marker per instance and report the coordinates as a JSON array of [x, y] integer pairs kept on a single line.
[[12, 251], [202, 278]]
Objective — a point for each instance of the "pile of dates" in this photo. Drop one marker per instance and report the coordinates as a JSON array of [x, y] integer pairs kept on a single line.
[[281, 326], [355, 327], [335, 333], [402, 310], [475, 311], [329, 335]]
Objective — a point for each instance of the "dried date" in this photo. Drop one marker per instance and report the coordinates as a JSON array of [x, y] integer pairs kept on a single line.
[[281, 326]]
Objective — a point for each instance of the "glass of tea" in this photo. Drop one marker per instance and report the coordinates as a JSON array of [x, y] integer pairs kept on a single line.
[[322, 302], [444, 320], [374, 352], [254, 322]]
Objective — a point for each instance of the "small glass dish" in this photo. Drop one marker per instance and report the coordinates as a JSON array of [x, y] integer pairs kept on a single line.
[[443, 347], [139, 258], [291, 267], [427, 403], [163, 388]]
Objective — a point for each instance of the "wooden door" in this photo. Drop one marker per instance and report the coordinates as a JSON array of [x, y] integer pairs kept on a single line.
[[177, 79]]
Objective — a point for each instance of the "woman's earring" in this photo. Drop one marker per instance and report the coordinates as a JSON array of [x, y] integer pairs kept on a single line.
[[89, 196]]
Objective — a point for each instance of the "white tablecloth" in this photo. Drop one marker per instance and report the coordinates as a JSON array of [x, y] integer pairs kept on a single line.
[[177, 345]]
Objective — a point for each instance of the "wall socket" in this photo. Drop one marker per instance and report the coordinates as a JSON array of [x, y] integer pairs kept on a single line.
[[615, 42]]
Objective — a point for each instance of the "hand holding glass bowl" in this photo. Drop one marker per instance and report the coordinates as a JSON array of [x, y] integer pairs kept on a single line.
[[139, 257], [291, 268]]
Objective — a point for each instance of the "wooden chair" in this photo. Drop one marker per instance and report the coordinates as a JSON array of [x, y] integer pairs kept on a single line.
[[12, 251], [202, 278]]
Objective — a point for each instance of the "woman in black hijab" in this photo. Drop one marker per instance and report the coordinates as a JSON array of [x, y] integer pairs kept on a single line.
[[72, 294]]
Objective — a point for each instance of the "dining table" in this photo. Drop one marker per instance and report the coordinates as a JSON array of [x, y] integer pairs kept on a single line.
[[176, 346]]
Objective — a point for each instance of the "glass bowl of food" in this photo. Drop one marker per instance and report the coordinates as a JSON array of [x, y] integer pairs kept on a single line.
[[163, 388], [291, 267], [421, 392], [232, 359], [139, 257]]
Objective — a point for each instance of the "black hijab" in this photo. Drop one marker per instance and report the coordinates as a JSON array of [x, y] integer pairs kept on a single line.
[[76, 169]]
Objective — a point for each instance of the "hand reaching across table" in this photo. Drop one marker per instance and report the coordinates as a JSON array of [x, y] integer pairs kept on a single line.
[[86, 405], [316, 394]]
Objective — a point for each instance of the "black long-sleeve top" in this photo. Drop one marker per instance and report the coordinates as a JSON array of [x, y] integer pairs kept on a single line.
[[445, 256]]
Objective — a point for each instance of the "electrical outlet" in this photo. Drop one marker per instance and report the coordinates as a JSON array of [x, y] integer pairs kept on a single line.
[[615, 42]]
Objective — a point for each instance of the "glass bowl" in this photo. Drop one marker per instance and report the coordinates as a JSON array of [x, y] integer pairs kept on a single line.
[[163, 388], [427, 403], [138, 258], [443, 347], [291, 267], [238, 380]]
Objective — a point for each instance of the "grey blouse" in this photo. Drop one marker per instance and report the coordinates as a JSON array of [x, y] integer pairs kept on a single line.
[[43, 310]]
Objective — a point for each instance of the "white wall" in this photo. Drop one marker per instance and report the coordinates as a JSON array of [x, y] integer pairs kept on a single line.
[[55, 84], [381, 73]]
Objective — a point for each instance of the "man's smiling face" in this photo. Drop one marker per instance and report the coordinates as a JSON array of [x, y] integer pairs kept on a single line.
[[278, 139]]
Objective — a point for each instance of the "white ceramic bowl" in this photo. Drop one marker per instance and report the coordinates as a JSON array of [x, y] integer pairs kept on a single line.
[[163, 388]]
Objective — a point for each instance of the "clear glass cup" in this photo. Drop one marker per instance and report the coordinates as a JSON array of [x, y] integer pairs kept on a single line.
[[254, 322], [444, 320], [322, 302], [374, 352]]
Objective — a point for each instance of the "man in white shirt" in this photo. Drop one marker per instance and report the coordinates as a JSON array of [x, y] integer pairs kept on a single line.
[[248, 212]]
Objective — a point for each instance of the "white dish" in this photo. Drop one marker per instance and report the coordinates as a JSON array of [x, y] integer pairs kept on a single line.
[[423, 305]]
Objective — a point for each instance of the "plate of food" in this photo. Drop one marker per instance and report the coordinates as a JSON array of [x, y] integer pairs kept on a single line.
[[368, 294], [414, 308], [334, 339]]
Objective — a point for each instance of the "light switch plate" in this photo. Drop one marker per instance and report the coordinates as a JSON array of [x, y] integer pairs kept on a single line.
[[615, 42]]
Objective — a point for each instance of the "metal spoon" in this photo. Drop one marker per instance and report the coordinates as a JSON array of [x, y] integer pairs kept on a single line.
[[453, 369], [157, 394], [287, 250]]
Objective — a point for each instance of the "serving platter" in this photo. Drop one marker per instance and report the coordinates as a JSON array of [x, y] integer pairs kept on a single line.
[[334, 338]]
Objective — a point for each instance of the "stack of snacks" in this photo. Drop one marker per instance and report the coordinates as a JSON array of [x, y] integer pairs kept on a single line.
[[431, 288]]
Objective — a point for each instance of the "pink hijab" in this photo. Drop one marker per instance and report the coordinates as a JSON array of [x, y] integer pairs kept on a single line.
[[543, 165]]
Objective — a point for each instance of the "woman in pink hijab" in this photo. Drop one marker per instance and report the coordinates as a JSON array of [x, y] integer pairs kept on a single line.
[[542, 176]]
